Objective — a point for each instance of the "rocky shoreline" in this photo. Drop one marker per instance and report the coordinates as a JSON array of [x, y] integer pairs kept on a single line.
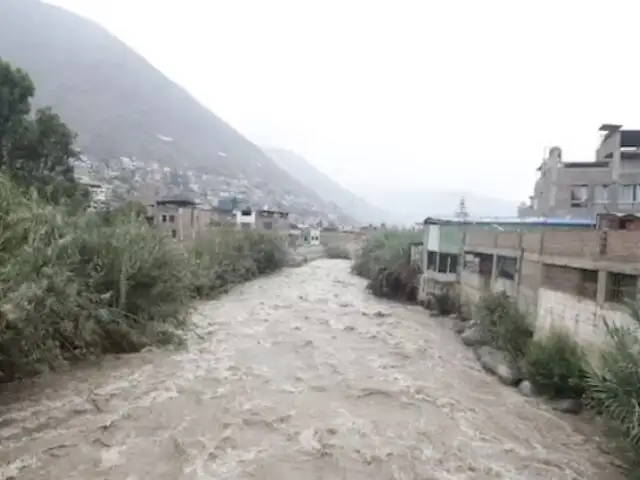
[[499, 364]]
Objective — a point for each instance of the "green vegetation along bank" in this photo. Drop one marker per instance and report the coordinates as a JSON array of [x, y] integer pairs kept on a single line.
[[385, 261], [502, 337], [77, 284]]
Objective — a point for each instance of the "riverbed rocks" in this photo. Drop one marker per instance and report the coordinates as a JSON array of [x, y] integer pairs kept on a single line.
[[573, 406], [458, 326], [474, 336], [510, 372], [499, 363], [527, 389]]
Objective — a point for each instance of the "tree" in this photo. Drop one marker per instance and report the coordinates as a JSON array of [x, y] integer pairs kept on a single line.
[[36, 151]]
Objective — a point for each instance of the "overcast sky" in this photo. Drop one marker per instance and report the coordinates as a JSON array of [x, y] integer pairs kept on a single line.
[[398, 93]]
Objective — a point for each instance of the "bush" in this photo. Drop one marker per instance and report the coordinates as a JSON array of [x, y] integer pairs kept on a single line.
[[505, 325], [556, 365], [385, 260], [72, 287], [77, 286], [231, 257], [614, 385], [446, 302], [337, 252]]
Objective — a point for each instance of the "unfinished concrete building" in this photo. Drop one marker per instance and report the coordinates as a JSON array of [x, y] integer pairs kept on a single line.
[[608, 183]]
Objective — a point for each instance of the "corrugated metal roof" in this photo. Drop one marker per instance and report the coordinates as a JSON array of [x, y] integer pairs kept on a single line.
[[555, 221], [619, 215]]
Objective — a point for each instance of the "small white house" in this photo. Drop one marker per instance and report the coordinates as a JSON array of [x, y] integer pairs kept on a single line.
[[311, 236], [245, 218]]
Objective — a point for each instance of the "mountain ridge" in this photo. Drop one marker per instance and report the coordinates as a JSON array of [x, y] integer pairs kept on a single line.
[[121, 105], [311, 176]]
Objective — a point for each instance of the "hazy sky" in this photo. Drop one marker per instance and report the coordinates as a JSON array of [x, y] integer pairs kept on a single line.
[[454, 95]]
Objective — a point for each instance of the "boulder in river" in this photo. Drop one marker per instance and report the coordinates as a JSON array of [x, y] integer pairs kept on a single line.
[[568, 405], [526, 389], [499, 363], [474, 336], [458, 326]]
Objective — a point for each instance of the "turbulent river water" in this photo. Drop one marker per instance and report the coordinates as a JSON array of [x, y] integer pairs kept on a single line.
[[301, 375]]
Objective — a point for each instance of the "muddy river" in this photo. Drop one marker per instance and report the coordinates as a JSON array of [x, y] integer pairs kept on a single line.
[[301, 375]]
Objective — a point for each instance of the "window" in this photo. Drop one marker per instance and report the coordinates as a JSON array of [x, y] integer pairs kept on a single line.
[[174, 233], [432, 258], [588, 284], [579, 195], [164, 219], [621, 287], [601, 193], [506, 267], [172, 218], [268, 225], [453, 264], [630, 193], [448, 263]]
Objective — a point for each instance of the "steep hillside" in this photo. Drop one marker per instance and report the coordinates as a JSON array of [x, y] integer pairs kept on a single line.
[[121, 106], [329, 190]]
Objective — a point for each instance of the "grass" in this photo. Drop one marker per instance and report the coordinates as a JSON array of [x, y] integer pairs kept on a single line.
[[232, 257], [385, 261], [506, 326], [444, 302], [337, 251], [78, 286], [614, 384], [556, 365]]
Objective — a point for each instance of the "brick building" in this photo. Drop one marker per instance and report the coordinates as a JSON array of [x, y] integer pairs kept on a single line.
[[609, 182], [576, 278], [181, 217], [272, 220]]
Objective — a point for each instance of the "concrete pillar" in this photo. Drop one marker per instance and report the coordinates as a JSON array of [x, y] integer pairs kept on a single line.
[[494, 271], [461, 255], [601, 291], [519, 261]]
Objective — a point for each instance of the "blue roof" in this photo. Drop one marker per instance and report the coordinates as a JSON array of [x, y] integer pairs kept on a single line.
[[551, 221]]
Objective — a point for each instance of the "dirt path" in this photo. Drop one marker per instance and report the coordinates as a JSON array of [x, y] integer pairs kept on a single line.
[[298, 376]]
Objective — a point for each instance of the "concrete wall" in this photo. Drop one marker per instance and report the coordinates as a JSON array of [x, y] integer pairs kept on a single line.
[[602, 245], [182, 223], [472, 286], [563, 277], [581, 316], [272, 220]]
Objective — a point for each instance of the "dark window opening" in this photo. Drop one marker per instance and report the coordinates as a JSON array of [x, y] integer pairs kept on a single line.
[[174, 233], [621, 287], [507, 267], [448, 263], [588, 286], [432, 258]]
